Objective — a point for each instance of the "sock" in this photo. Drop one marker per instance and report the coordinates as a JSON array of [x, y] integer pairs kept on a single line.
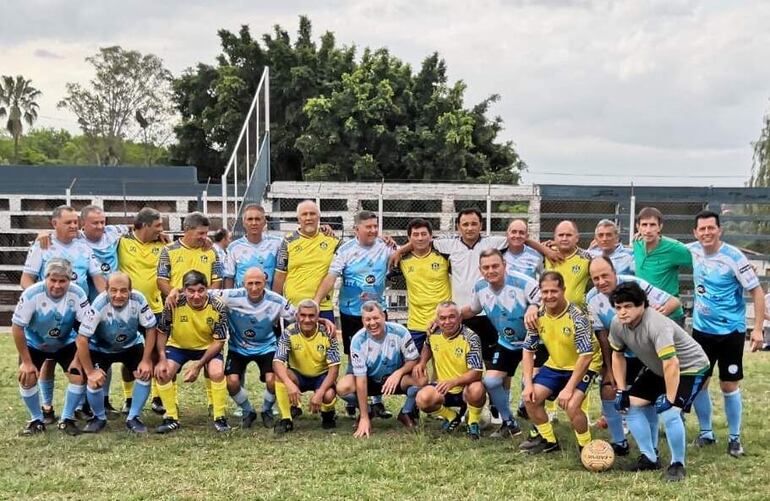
[[168, 395], [444, 412], [583, 438], [282, 398], [242, 399], [95, 398], [550, 406], [176, 392], [207, 382], [128, 389], [499, 396], [474, 414], [614, 421], [546, 431], [652, 417], [640, 430], [733, 411], [702, 406], [107, 383], [219, 398], [351, 400], [31, 398], [675, 434], [377, 399], [328, 407], [46, 391], [154, 389], [74, 393], [268, 400], [410, 402], [138, 396]]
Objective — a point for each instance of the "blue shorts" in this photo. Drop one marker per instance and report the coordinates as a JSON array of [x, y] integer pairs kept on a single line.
[[555, 380], [306, 383], [452, 399], [419, 339], [328, 315], [182, 356]]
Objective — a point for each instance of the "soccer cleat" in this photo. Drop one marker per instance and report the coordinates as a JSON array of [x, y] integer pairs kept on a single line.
[[167, 426], [238, 412], [109, 409], [220, 424], [84, 414], [296, 412], [644, 464], [248, 419], [621, 449], [33, 427], [350, 410], [474, 431], [521, 413], [734, 448], [49, 415], [535, 445], [69, 426], [450, 426], [157, 406], [674, 473], [94, 425], [704, 441], [379, 410], [135, 425], [126, 406], [328, 420], [508, 429], [406, 420], [268, 421], [283, 426]]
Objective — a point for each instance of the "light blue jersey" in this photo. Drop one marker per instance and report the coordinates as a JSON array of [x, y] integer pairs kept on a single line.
[[506, 307], [378, 359], [602, 311], [622, 259], [720, 280], [528, 262], [48, 323], [113, 330], [251, 324], [105, 251], [77, 252], [242, 255], [364, 271]]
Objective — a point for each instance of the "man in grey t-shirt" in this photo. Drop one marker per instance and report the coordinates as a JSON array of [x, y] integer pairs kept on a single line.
[[675, 372]]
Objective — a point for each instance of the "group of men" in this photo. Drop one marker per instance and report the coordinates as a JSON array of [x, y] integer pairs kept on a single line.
[[478, 307]]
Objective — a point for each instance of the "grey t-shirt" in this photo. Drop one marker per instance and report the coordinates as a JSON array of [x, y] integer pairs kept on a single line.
[[658, 338]]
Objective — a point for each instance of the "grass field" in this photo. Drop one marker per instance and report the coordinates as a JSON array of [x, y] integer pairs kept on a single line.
[[198, 463]]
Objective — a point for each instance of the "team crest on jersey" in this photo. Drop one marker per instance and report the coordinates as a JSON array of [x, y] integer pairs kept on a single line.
[[204, 259], [566, 331], [156, 250], [121, 338], [434, 266], [105, 267], [55, 332], [410, 269], [458, 352], [320, 348], [575, 269], [701, 289], [370, 279], [249, 333], [509, 332], [74, 276], [324, 246], [209, 321], [183, 318]]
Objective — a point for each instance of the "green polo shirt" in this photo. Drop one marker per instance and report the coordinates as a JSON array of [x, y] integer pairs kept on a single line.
[[660, 266]]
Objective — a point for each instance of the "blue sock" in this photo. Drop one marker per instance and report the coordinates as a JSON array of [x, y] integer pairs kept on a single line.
[[672, 421], [351, 400], [107, 383], [377, 399], [71, 399], [31, 398], [268, 401], [242, 399], [702, 406], [640, 430], [96, 401], [139, 397], [499, 396], [733, 411], [614, 421], [411, 397], [652, 417], [46, 391]]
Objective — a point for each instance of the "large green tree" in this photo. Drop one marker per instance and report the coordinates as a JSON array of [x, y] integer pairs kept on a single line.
[[334, 117], [760, 175], [18, 102]]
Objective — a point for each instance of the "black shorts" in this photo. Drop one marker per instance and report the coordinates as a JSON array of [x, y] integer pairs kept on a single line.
[[374, 387], [724, 349], [541, 355], [505, 360], [350, 325], [63, 356], [649, 386], [634, 367], [481, 325], [237, 363], [129, 357]]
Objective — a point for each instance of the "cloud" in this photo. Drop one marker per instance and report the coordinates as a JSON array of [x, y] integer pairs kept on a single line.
[[46, 54]]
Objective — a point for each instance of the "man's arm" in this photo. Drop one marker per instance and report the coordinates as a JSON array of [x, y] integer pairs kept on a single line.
[[604, 344], [278, 281], [326, 285], [549, 253], [757, 338], [671, 376], [619, 369], [27, 280], [670, 306], [28, 373], [528, 369]]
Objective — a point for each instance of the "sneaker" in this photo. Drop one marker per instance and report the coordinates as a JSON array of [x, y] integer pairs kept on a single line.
[[268, 421], [644, 464], [49, 415], [238, 412], [109, 409], [84, 414], [168, 425], [248, 419], [350, 410], [328, 420], [674, 473], [33, 427], [379, 410], [126, 406], [521, 413], [296, 412], [474, 431], [220, 424], [69, 426], [734, 448], [283, 426], [94, 425], [450, 426], [704, 441], [508, 429], [539, 444], [157, 406], [621, 449], [406, 420], [136, 425]]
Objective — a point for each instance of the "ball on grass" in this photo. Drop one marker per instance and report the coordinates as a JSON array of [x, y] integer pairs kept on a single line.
[[597, 456]]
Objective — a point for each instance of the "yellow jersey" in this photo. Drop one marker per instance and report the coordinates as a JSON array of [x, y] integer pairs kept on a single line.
[[139, 261], [567, 336], [305, 261], [309, 356], [427, 284], [455, 355], [574, 269], [176, 259], [188, 328]]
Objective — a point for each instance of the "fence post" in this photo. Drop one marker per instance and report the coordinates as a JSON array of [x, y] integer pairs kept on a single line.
[[205, 202], [224, 201], [68, 196], [631, 217], [489, 209], [380, 205]]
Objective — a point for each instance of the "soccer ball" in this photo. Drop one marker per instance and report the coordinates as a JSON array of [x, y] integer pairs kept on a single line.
[[597, 455]]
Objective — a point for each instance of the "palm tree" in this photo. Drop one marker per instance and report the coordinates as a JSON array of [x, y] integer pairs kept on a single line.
[[17, 102]]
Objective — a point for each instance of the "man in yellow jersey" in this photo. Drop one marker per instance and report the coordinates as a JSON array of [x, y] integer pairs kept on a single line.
[[456, 354], [574, 358], [304, 259], [195, 331], [307, 359], [574, 264]]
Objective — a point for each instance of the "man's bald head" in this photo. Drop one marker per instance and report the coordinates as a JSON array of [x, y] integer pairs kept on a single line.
[[254, 272], [118, 279], [566, 236], [119, 289]]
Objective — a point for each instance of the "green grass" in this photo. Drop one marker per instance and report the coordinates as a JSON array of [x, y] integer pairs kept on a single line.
[[197, 463]]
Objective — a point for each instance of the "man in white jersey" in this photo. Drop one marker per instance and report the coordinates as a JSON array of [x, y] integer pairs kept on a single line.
[[607, 239], [519, 256], [254, 249]]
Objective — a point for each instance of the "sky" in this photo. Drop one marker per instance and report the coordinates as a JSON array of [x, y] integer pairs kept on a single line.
[[661, 92]]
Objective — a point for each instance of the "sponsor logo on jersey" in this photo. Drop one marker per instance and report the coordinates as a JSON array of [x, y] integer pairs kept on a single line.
[[55, 332]]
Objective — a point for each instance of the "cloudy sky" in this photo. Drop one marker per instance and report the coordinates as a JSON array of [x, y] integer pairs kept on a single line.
[[593, 91]]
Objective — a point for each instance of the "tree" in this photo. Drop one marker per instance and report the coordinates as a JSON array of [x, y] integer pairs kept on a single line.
[[760, 175], [18, 103], [126, 82]]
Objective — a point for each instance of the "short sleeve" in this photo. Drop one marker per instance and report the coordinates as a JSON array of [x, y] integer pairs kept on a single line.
[[282, 260], [663, 338], [33, 264], [284, 348], [288, 311], [475, 301], [473, 359], [338, 264], [655, 296], [444, 245], [164, 264], [88, 327], [357, 359], [583, 334], [333, 352], [532, 340], [408, 349], [228, 269], [745, 273], [216, 268], [165, 321], [682, 256], [219, 329], [25, 310], [532, 290], [146, 316], [616, 342], [94, 266]]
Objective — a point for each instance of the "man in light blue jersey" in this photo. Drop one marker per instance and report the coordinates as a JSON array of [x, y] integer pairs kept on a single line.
[[607, 239], [605, 281], [721, 273], [111, 335], [382, 356], [510, 301], [42, 330], [519, 256], [221, 243], [254, 249]]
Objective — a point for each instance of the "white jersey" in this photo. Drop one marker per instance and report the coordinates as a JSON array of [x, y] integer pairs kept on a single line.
[[622, 259], [77, 252], [528, 262], [113, 330]]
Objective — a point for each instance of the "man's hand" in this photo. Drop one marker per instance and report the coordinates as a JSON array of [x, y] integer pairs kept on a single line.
[[553, 256], [315, 401], [419, 371], [191, 374], [433, 327], [443, 387], [143, 370], [388, 240], [294, 394], [331, 328], [622, 401], [43, 240], [165, 238], [28, 375], [391, 384], [326, 230], [757, 340], [97, 378], [564, 397], [662, 404], [172, 299], [530, 318], [162, 370], [528, 393], [394, 260], [364, 428]]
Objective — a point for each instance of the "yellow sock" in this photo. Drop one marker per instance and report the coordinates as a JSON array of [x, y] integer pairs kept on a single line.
[[168, 395], [219, 397], [546, 431], [176, 391], [282, 399], [583, 438], [550, 406], [474, 414], [128, 389], [207, 381], [154, 388], [328, 407], [445, 412]]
